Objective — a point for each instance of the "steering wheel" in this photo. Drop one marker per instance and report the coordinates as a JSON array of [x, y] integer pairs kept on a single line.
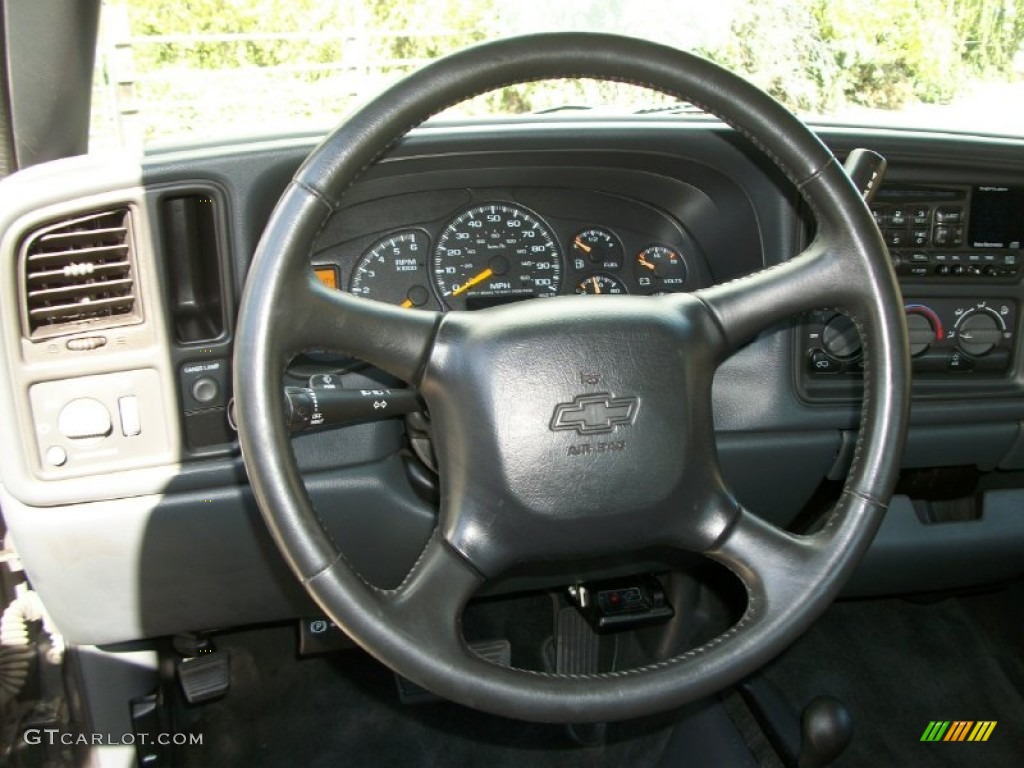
[[511, 389]]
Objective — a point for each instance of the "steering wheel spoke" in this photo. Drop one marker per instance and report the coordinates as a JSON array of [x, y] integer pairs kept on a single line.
[[771, 562], [391, 338], [745, 306], [425, 609]]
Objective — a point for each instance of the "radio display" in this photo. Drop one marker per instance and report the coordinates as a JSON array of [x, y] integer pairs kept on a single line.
[[997, 217]]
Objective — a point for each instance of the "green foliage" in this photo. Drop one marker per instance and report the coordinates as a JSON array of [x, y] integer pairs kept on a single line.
[[286, 64], [324, 33], [820, 55]]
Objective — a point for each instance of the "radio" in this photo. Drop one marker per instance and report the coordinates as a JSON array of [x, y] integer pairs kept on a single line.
[[953, 233]]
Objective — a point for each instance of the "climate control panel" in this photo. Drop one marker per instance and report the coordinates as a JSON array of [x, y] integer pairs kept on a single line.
[[947, 336]]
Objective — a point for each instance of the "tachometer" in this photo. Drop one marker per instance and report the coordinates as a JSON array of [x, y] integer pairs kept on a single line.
[[492, 254], [394, 270]]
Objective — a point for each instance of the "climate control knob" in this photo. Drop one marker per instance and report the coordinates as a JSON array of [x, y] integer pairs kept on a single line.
[[923, 328], [840, 338], [978, 334]]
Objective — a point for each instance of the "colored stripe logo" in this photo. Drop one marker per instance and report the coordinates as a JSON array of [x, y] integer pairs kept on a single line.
[[958, 730]]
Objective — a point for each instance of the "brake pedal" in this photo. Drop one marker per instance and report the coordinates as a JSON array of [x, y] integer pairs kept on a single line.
[[205, 677]]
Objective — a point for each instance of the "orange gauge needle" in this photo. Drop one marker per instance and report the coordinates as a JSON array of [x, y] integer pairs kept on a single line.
[[473, 281], [407, 304], [597, 285], [582, 246], [645, 263]]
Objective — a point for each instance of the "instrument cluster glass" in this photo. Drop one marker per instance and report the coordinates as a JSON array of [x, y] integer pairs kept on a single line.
[[500, 252]]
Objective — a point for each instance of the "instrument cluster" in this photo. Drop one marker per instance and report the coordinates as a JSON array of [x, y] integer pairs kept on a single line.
[[498, 251]]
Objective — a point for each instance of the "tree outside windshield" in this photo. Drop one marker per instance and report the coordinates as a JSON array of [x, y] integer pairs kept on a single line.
[[170, 71]]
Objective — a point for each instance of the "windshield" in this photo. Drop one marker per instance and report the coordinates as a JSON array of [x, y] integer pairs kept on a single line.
[[170, 72]]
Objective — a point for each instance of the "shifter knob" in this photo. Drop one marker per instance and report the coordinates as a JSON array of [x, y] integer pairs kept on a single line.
[[826, 729]]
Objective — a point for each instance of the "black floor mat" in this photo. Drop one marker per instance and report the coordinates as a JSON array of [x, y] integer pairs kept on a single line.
[[899, 665], [343, 710]]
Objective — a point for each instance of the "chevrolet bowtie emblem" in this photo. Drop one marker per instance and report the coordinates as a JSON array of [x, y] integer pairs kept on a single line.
[[594, 414]]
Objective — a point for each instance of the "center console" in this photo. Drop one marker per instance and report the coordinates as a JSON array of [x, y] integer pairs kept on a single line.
[[957, 253]]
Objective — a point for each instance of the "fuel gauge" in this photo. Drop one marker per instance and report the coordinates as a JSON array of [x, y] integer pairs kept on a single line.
[[598, 247]]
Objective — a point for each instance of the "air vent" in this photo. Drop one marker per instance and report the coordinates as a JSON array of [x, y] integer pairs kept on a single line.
[[79, 275]]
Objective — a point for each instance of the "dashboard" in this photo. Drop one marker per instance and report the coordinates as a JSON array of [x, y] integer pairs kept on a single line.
[[121, 278]]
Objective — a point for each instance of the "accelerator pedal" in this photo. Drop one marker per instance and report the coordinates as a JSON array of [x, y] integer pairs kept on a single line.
[[495, 651], [577, 652]]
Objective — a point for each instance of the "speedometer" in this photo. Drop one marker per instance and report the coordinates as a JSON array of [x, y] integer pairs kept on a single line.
[[492, 254]]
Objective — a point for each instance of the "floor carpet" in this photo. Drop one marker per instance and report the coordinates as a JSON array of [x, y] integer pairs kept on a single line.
[[897, 665]]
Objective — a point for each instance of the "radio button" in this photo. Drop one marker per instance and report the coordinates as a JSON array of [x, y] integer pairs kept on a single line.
[[895, 237]]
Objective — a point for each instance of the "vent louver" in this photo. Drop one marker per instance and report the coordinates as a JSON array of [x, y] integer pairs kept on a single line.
[[79, 274]]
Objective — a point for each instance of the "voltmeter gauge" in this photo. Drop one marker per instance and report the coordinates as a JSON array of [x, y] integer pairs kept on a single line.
[[394, 270], [659, 269]]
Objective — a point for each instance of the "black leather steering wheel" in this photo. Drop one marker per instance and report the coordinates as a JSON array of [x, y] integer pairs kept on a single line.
[[500, 382]]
